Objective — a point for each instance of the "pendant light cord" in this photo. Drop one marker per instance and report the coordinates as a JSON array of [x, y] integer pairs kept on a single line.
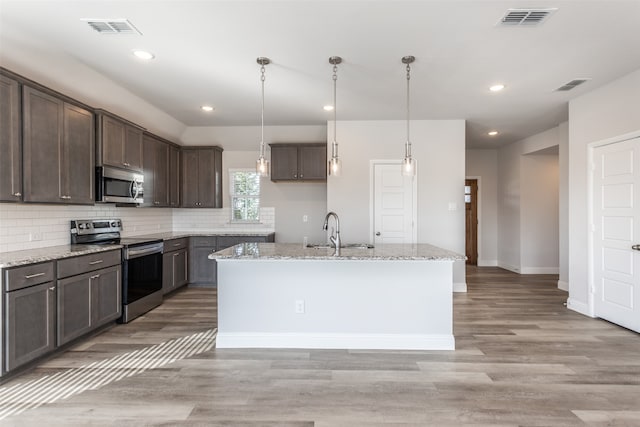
[[262, 78], [334, 146], [408, 144]]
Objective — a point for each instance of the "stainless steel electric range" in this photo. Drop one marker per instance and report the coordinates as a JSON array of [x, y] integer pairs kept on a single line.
[[141, 263]]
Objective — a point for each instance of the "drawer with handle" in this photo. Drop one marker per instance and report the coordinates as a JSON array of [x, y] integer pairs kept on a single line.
[[28, 275], [175, 244], [82, 264]]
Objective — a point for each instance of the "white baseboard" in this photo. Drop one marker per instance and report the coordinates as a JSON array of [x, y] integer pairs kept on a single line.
[[564, 286], [540, 270], [333, 341], [487, 263], [459, 287], [580, 307], [509, 267]]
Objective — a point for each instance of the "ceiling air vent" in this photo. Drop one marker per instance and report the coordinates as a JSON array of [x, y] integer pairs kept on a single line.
[[572, 84], [112, 26], [526, 17]]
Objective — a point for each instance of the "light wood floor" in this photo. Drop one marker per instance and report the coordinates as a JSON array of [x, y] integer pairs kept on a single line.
[[522, 359]]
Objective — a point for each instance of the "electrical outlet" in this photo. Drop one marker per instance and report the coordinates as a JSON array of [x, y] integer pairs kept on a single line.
[[305, 218], [35, 237], [300, 306]]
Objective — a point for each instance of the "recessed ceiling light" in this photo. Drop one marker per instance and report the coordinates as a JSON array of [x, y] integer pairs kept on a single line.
[[496, 88], [492, 133], [328, 108], [207, 108], [143, 54]]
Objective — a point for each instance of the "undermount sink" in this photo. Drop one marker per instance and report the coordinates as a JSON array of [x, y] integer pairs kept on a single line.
[[346, 246]]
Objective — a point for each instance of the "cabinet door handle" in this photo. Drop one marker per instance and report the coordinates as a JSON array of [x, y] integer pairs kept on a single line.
[[301, 176], [65, 197], [100, 261], [177, 244], [18, 194], [53, 288], [377, 233], [94, 277], [635, 247], [295, 175], [126, 164], [31, 276], [175, 255]]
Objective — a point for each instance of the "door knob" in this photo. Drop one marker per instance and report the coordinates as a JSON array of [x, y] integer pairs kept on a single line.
[[635, 247], [377, 233]]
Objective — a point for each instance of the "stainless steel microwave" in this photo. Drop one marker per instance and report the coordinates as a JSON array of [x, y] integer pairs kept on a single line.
[[118, 186]]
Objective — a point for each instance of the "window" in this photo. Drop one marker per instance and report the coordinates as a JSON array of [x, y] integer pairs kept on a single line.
[[245, 195]]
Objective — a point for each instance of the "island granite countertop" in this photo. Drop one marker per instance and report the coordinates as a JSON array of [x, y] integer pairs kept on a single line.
[[294, 251]]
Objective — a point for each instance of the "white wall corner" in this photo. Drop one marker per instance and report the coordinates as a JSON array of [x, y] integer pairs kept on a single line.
[[459, 286], [563, 286], [487, 263], [509, 267], [579, 307]]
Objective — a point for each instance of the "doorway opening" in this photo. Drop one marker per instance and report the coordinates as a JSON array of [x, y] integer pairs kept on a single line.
[[471, 220]]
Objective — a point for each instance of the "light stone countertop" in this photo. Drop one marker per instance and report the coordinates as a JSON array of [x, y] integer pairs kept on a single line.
[[51, 253], [294, 251], [224, 232]]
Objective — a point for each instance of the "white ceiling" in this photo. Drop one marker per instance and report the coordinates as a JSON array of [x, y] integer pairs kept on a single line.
[[206, 54]]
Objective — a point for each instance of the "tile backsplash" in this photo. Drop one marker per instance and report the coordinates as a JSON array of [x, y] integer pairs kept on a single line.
[[27, 226]]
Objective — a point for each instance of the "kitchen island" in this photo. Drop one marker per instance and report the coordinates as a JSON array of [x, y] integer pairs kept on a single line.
[[274, 295]]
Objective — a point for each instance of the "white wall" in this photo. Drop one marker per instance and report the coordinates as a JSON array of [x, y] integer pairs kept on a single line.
[[539, 234], [563, 207], [438, 146], [528, 190], [607, 112], [509, 207], [484, 165]]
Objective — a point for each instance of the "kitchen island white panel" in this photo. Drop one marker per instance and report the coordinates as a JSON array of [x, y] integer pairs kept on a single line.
[[347, 302]]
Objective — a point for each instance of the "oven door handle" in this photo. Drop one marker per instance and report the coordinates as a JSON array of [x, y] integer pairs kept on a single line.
[[142, 251]]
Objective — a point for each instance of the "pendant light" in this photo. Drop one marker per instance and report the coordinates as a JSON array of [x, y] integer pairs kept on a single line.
[[335, 164], [262, 164], [408, 164]]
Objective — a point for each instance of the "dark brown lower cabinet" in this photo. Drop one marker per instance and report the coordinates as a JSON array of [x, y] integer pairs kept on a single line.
[[202, 270], [87, 301], [175, 267], [30, 324]]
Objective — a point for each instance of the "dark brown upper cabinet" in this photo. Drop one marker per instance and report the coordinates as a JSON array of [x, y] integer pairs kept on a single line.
[[298, 162], [58, 149], [156, 171], [119, 142], [174, 176], [201, 177], [10, 141]]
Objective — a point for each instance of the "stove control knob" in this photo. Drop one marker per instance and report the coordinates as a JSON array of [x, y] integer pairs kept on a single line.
[[81, 226], [113, 224]]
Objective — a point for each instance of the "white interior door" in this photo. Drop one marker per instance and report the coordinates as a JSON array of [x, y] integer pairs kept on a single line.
[[616, 225], [393, 205]]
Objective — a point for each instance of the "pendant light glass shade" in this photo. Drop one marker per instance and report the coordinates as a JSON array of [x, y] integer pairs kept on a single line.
[[262, 164], [335, 164], [409, 163]]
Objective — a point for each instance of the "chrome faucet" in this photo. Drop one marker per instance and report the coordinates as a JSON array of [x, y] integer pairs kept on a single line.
[[335, 239]]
